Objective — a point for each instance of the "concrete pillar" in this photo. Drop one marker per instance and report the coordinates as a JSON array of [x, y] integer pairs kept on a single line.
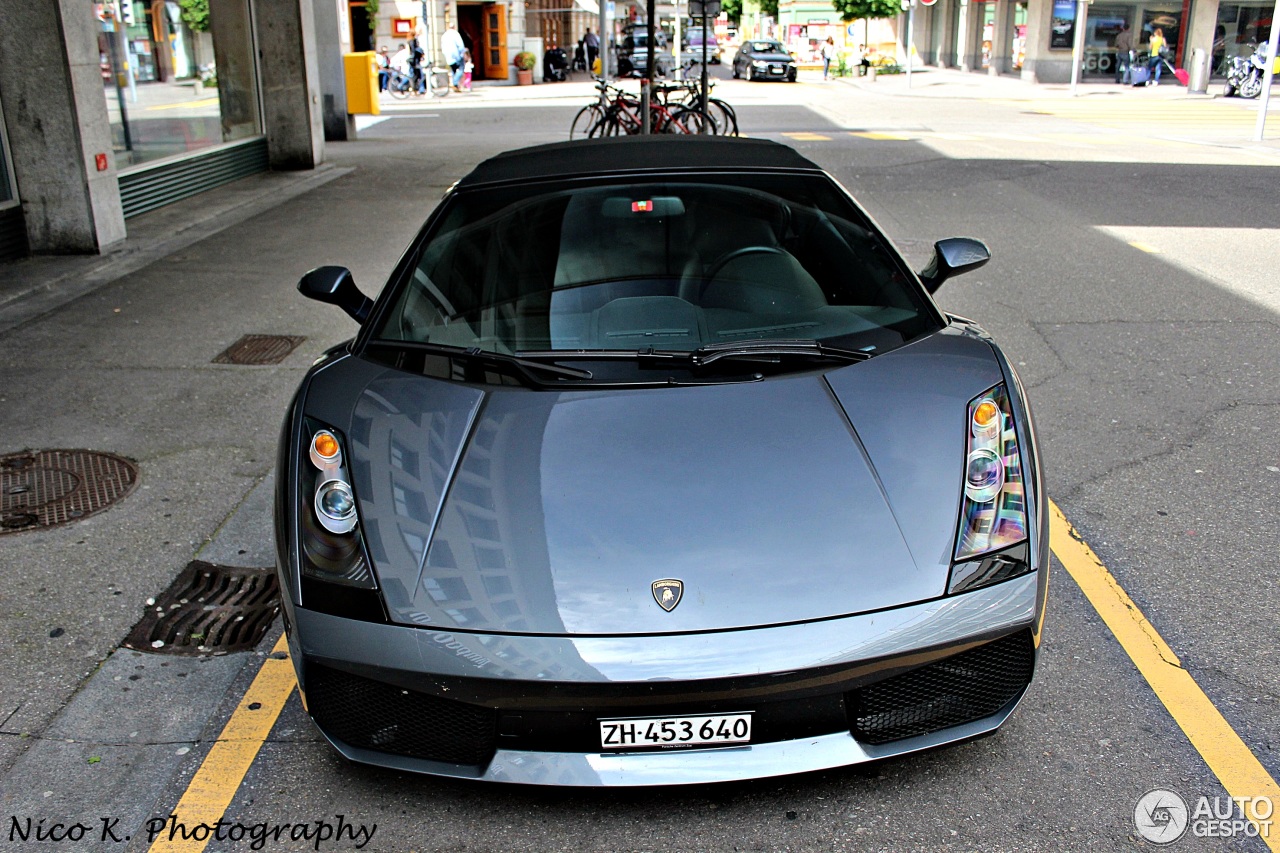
[[1200, 29], [338, 125], [964, 54], [1044, 65], [947, 12], [290, 79], [1002, 39], [56, 117]]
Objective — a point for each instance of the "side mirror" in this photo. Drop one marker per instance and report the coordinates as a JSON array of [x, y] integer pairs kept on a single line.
[[951, 257], [335, 286]]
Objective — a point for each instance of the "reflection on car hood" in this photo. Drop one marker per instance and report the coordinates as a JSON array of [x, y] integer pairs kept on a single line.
[[503, 509], [769, 57]]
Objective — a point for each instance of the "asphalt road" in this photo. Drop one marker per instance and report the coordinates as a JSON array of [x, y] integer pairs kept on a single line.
[[1132, 282]]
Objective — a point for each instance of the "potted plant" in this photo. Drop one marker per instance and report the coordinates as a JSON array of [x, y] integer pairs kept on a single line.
[[524, 63]]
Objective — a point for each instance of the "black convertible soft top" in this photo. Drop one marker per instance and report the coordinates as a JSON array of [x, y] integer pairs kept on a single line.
[[661, 152]]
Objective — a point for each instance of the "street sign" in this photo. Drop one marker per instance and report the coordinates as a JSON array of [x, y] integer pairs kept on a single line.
[[927, 2]]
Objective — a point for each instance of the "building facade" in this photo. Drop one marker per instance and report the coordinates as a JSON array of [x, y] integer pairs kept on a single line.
[[1034, 38], [112, 108]]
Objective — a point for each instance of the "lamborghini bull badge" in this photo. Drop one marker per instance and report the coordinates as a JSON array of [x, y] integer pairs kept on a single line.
[[667, 593]]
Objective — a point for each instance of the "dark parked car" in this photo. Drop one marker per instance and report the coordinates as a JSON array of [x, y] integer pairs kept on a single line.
[[764, 60], [695, 49], [654, 463], [633, 55]]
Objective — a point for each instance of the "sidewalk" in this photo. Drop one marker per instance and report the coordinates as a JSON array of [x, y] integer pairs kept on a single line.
[[931, 82]]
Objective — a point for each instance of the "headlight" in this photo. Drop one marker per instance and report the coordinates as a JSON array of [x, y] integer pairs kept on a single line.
[[331, 544], [757, 63], [993, 513]]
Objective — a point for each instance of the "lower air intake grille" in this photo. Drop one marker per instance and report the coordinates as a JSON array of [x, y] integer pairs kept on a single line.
[[959, 689], [372, 715]]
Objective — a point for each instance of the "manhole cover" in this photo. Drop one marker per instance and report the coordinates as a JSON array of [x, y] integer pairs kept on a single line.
[[259, 349], [209, 609], [45, 488]]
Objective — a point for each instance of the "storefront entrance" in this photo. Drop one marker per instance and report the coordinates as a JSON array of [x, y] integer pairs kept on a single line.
[[483, 27]]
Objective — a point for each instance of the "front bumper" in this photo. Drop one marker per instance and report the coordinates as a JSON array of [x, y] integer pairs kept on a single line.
[[536, 698], [774, 71]]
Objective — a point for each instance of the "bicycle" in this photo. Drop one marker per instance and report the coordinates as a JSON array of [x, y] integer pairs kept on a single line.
[[723, 116], [400, 85], [620, 115]]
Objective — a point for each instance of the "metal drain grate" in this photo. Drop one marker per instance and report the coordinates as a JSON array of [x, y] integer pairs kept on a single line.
[[46, 488], [209, 609], [259, 349]]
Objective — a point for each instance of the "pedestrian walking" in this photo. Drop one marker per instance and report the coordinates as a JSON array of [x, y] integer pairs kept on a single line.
[[1156, 53], [591, 42], [416, 53], [828, 53], [1124, 54], [454, 50]]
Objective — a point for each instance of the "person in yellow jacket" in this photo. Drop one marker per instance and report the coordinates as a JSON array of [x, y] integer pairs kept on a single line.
[[1156, 53]]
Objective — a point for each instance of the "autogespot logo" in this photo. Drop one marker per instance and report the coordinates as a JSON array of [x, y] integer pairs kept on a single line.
[[1161, 816]]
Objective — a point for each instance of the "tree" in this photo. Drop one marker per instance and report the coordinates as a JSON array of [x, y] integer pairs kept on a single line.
[[734, 9], [195, 14], [852, 10]]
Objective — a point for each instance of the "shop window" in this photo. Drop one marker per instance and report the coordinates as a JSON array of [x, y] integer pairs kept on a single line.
[[176, 79], [1241, 28]]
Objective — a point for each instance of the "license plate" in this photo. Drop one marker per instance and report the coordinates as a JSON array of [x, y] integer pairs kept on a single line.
[[775, 69], [644, 733]]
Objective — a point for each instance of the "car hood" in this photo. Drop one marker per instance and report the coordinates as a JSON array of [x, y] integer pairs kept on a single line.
[[769, 57], [796, 498]]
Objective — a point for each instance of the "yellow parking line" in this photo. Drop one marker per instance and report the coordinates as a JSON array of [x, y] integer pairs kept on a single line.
[[1144, 247], [203, 102], [219, 777], [879, 134], [1236, 767], [807, 137]]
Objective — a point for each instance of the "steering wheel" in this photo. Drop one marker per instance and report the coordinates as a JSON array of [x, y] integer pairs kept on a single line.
[[734, 254]]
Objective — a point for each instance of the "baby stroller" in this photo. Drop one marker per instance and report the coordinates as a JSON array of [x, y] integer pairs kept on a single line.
[[579, 58], [555, 66]]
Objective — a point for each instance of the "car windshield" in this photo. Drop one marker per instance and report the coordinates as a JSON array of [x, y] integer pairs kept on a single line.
[[641, 40], [766, 47], [670, 265]]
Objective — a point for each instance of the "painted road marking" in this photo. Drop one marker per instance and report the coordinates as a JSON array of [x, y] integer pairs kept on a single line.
[[807, 137], [1144, 247], [1230, 759], [881, 134], [211, 101], [210, 791]]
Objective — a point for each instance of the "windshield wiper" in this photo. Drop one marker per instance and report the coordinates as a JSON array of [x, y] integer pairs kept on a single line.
[[774, 351], [532, 371]]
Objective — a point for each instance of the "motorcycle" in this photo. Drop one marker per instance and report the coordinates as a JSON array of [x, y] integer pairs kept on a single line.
[[1245, 74]]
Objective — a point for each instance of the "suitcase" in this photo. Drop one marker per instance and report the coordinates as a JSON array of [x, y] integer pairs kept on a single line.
[[1183, 75], [1140, 74]]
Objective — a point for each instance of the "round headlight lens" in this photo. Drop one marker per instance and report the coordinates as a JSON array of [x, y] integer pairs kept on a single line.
[[336, 506], [984, 476]]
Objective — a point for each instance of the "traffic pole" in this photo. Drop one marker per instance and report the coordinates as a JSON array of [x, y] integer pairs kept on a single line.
[[1077, 46], [1264, 100]]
